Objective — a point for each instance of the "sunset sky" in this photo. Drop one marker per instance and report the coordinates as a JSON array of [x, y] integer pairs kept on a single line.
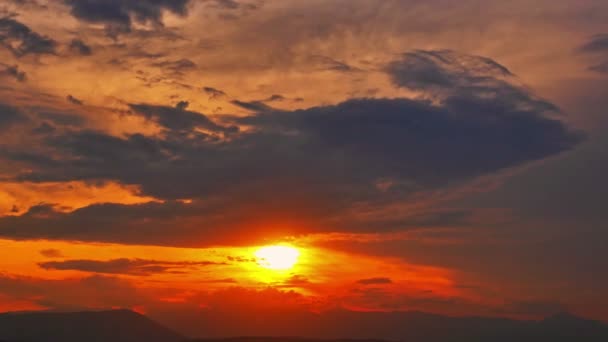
[[434, 155]]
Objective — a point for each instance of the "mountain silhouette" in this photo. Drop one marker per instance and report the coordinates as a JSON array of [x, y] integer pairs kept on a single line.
[[338, 326], [106, 326], [401, 326]]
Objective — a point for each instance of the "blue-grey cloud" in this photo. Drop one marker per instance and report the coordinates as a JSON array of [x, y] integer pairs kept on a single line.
[[79, 47], [597, 43], [62, 119], [597, 46], [118, 16], [13, 71], [254, 106], [10, 116], [213, 93], [178, 119], [308, 165], [176, 67], [21, 40]]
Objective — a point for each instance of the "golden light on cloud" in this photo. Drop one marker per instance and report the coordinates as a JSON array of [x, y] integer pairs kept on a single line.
[[277, 258]]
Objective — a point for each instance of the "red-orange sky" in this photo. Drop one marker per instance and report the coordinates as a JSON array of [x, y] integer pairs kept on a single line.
[[442, 156]]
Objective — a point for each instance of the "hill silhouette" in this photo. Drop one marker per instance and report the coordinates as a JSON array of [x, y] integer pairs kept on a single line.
[[106, 326], [124, 325], [392, 326]]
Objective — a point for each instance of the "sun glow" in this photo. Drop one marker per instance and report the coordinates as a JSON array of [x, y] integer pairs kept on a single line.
[[277, 257]]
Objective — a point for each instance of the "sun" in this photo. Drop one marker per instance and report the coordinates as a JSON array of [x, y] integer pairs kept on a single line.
[[277, 258]]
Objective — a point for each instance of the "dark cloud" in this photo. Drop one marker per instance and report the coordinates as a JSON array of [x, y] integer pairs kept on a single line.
[[14, 71], [139, 267], [113, 222], [241, 259], [229, 4], [597, 43], [294, 281], [221, 281], [601, 68], [317, 162], [62, 119], [176, 67], [232, 7], [51, 253], [179, 119], [330, 64], [80, 47], [72, 294], [21, 40], [403, 139], [74, 100], [44, 128], [275, 98], [375, 281], [118, 16], [10, 116], [29, 4], [182, 105], [254, 106], [396, 139], [447, 71], [213, 93]]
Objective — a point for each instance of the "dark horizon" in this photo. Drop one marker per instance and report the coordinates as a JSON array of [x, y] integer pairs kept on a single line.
[[404, 326]]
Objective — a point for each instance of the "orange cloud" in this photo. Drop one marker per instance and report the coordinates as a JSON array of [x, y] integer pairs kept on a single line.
[[17, 198]]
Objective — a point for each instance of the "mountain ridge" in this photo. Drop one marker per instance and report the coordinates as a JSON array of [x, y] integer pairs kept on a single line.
[[412, 326], [93, 326]]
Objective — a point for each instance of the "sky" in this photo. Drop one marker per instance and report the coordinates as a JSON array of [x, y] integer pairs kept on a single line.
[[441, 156]]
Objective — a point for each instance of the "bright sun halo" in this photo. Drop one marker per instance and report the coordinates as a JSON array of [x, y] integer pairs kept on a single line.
[[277, 257]]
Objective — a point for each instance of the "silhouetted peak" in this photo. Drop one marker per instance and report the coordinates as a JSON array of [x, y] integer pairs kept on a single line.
[[110, 325]]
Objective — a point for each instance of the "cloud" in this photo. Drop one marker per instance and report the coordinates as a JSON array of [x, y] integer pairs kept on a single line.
[[375, 281], [176, 67], [21, 40], [139, 267], [447, 71], [221, 281], [62, 119], [80, 47], [213, 93], [10, 116], [228, 4], [114, 222], [329, 64], [597, 43], [74, 100], [318, 162], [14, 71], [395, 139], [274, 98], [254, 106], [72, 294], [118, 16], [601, 68], [51, 253], [179, 119], [44, 128], [295, 280]]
